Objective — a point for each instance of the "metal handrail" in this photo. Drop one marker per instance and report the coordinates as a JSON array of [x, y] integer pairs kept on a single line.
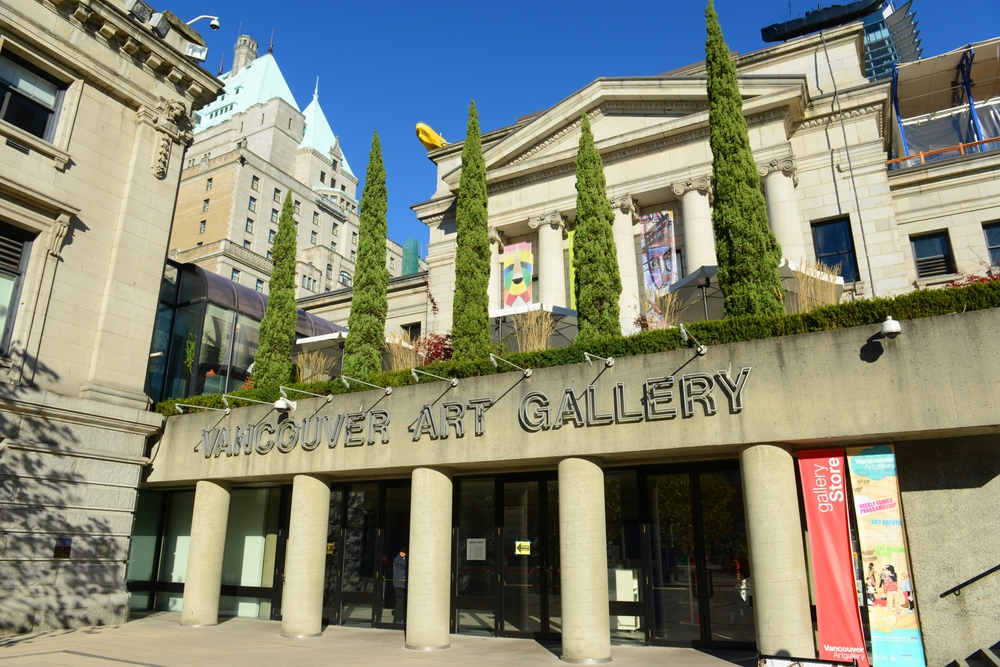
[[957, 590], [923, 154]]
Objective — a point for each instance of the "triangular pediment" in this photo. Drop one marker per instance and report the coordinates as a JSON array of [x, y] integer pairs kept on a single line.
[[622, 112]]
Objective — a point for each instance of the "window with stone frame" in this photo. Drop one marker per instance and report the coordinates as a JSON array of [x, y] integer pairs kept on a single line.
[[252, 204], [345, 278], [15, 248], [315, 217], [329, 270], [274, 215], [932, 254], [336, 229], [313, 238], [298, 206], [235, 275], [30, 97], [260, 286], [277, 195], [249, 226], [201, 227], [204, 205], [208, 184], [322, 177], [992, 232], [354, 256], [834, 245], [255, 183], [270, 235]]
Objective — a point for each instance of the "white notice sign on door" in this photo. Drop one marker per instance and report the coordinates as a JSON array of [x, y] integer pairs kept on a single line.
[[475, 548]]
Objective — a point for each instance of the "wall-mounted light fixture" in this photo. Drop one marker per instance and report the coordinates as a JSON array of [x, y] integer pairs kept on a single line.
[[494, 358], [241, 398], [891, 328], [227, 410], [686, 337], [283, 389], [344, 379], [416, 378], [608, 363]]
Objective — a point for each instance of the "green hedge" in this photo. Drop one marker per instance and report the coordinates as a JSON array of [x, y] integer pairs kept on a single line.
[[911, 306]]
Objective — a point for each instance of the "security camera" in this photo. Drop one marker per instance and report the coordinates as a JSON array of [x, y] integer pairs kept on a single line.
[[214, 25], [891, 328]]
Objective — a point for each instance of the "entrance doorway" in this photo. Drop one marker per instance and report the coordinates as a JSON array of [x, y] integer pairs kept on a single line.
[[699, 591], [507, 557], [369, 525]]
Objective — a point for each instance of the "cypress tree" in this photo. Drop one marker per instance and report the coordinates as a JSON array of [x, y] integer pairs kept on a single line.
[[598, 284], [273, 364], [369, 303], [470, 332], [746, 248]]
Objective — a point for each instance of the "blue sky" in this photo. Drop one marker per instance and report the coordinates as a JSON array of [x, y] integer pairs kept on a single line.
[[388, 65]]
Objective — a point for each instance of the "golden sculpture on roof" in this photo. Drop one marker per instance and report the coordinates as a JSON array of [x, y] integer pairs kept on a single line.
[[429, 138]]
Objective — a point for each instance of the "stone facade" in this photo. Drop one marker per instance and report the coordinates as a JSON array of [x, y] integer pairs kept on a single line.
[[240, 167], [803, 99], [91, 198]]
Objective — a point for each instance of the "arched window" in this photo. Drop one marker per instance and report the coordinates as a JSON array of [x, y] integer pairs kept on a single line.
[[345, 278]]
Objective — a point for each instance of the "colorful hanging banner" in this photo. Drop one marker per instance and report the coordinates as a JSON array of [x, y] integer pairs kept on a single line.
[[892, 613], [517, 271], [659, 266], [838, 617]]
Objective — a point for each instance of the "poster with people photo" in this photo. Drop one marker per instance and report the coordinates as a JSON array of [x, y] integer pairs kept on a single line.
[[892, 607]]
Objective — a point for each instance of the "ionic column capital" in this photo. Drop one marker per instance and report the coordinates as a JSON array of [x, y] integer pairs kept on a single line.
[[557, 221], [626, 204], [700, 184], [785, 166]]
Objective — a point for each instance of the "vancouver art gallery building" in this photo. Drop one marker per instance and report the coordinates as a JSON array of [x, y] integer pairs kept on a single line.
[[663, 499]]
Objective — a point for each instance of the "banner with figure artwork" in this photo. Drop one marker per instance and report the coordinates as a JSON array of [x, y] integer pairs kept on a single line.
[[892, 612], [517, 271], [659, 265]]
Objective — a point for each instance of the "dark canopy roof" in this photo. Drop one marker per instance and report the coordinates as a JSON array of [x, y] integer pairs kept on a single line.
[[233, 296]]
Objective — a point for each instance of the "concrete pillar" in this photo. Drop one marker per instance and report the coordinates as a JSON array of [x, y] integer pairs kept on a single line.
[[586, 629], [699, 238], [782, 207], [629, 303], [428, 578], [550, 264], [203, 577], [305, 558], [777, 559], [496, 256]]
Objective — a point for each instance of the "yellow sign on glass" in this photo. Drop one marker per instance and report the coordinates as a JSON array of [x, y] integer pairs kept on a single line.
[[522, 548]]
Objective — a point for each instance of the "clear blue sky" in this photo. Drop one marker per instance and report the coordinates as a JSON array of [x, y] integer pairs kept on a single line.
[[388, 65]]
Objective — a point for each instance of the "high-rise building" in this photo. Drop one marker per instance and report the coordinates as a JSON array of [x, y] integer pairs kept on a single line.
[[891, 37], [251, 147]]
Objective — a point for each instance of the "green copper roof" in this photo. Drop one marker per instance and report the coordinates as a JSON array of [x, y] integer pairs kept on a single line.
[[258, 81], [318, 135]]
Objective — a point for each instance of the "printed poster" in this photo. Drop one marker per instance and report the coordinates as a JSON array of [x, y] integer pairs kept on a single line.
[[517, 272], [838, 617], [659, 255], [892, 612]]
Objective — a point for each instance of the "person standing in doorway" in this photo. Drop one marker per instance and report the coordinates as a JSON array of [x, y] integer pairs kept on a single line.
[[399, 584]]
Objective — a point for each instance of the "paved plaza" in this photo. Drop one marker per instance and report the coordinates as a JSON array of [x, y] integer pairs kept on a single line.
[[158, 641]]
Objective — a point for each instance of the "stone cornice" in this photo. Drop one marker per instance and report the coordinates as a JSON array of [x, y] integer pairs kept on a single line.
[[826, 119]]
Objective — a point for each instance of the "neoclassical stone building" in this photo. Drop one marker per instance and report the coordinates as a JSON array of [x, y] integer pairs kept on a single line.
[[822, 136], [96, 118]]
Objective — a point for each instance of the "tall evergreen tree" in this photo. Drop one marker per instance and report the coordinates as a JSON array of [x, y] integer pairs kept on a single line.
[[746, 248], [470, 332], [273, 364], [598, 283], [366, 324]]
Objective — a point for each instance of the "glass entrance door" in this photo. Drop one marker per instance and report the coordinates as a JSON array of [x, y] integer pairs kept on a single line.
[[507, 556], [369, 527], [698, 590]]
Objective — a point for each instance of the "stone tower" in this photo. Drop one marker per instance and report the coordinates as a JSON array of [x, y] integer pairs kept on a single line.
[[246, 53]]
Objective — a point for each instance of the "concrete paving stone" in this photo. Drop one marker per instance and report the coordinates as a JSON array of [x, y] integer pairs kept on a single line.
[[157, 640]]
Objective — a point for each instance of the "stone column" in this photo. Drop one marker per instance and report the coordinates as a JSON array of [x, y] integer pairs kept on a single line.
[[629, 303], [496, 255], [305, 558], [428, 577], [586, 629], [203, 577], [550, 264], [782, 208], [777, 559], [699, 238]]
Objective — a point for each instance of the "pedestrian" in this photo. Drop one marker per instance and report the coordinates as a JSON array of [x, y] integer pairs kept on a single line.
[[399, 585]]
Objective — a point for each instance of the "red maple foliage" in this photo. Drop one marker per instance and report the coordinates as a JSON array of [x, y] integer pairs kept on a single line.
[[434, 346]]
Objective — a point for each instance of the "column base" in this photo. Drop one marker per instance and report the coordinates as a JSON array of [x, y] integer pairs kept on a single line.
[[413, 647], [585, 661], [291, 636], [198, 625]]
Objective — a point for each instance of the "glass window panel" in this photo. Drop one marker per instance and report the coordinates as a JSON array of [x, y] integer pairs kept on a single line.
[[522, 558], [176, 538], [8, 282], [246, 607], [621, 502], [476, 572], [216, 344], [245, 538], [333, 546], [145, 530], [394, 540], [930, 246], [675, 607], [554, 581], [359, 544], [180, 358], [245, 339]]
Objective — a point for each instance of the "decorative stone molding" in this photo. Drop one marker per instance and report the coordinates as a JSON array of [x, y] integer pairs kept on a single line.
[[819, 121], [784, 165], [82, 13], [554, 220], [702, 184], [172, 124], [154, 61], [497, 237], [653, 146], [552, 138], [108, 30], [57, 234], [626, 204]]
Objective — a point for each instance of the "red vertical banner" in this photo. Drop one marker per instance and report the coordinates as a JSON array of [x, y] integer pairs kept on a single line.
[[824, 492]]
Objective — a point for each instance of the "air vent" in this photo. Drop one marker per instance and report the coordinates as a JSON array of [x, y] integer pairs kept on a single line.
[[18, 147]]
